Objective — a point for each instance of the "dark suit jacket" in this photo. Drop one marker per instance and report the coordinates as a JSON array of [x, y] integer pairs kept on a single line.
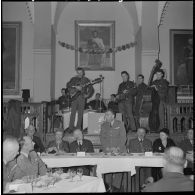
[[87, 146], [64, 146], [171, 182], [38, 147], [135, 147], [158, 146]]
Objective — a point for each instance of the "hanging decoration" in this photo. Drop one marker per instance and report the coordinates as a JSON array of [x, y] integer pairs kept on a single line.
[[97, 51], [164, 10]]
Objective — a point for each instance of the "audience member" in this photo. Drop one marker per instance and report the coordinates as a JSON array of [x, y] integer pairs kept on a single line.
[[113, 138], [28, 162], [113, 103], [63, 100], [173, 177], [58, 145], [38, 147], [96, 105], [10, 150], [81, 145], [159, 146], [140, 145]]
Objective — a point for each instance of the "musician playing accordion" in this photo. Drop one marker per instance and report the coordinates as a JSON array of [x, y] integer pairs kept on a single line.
[[79, 99]]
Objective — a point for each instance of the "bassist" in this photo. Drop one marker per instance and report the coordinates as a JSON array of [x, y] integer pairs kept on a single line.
[[125, 98], [78, 104]]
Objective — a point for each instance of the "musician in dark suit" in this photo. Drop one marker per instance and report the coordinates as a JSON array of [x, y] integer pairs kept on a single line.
[[125, 97], [140, 145], [95, 104], [141, 90], [161, 86], [63, 100], [79, 103], [81, 145], [58, 145]]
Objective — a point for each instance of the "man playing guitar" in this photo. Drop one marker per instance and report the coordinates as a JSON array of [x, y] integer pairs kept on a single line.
[[125, 97], [78, 104]]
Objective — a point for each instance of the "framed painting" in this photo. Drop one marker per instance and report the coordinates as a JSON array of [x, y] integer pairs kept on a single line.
[[11, 46], [95, 37], [181, 57]]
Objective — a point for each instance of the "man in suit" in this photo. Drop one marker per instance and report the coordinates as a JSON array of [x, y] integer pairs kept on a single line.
[[58, 145], [97, 104], [38, 146], [173, 177], [140, 145], [10, 150], [81, 145], [28, 162], [125, 97]]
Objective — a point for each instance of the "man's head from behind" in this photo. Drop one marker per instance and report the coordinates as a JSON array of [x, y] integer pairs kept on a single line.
[[10, 148], [26, 144], [109, 115], [78, 135], [174, 160], [30, 131], [141, 132]]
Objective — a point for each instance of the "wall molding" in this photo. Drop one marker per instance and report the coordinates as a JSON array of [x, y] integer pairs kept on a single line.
[[149, 52], [42, 51]]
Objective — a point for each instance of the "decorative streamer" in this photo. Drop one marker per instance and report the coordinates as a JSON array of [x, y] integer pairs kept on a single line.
[[98, 51]]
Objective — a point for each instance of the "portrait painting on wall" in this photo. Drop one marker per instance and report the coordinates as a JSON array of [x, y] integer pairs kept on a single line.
[[11, 46], [95, 37], [181, 57]]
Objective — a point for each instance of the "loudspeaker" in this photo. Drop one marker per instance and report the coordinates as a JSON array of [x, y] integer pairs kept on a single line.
[[25, 94]]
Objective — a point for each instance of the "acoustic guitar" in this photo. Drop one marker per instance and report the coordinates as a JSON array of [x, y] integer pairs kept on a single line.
[[74, 92]]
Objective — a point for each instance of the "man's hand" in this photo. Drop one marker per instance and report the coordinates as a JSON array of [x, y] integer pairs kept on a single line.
[[78, 87], [51, 149], [125, 91]]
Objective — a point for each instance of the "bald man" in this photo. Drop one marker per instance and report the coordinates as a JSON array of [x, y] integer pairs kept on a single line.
[[10, 150], [28, 162], [173, 177], [38, 146]]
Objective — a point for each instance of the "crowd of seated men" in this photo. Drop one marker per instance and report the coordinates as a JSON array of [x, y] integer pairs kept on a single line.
[[20, 157]]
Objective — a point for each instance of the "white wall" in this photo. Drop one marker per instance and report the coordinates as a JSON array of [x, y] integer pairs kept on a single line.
[[65, 59], [179, 16], [16, 11]]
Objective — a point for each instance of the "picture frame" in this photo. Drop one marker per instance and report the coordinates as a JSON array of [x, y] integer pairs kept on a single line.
[[181, 57], [94, 36], [11, 46]]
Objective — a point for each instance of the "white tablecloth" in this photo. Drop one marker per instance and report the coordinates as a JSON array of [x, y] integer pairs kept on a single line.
[[88, 184], [104, 164]]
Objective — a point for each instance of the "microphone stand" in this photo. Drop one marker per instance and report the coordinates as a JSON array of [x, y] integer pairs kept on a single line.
[[101, 94]]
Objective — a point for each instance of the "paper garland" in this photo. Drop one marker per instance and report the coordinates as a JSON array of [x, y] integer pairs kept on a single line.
[[97, 51]]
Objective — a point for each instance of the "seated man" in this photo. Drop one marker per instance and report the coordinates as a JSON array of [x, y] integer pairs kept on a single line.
[[113, 104], [140, 145], [187, 145], [58, 145], [10, 150], [81, 145], [173, 177], [112, 137], [28, 162], [95, 104], [38, 147], [63, 100]]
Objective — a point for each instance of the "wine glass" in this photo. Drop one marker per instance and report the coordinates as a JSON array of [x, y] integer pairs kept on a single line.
[[80, 173]]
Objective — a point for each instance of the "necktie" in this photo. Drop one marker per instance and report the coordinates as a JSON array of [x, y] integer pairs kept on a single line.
[[141, 144], [79, 143]]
